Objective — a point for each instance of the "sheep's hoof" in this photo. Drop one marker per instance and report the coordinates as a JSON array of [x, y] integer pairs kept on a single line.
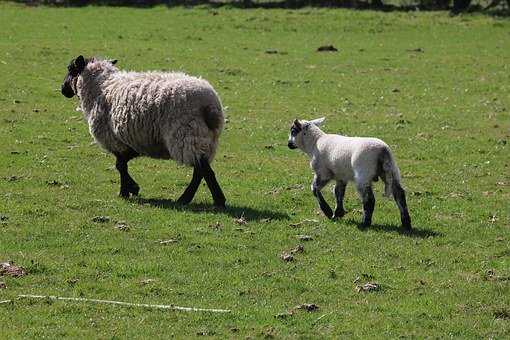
[[124, 193], [133, 190], [220, 205], [183, 201], [407, 232]]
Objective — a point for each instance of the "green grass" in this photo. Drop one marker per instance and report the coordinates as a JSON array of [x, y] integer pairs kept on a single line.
[[444, 111]]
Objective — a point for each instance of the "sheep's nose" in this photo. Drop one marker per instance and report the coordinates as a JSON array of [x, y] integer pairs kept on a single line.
[[66, 91], [291, 145]]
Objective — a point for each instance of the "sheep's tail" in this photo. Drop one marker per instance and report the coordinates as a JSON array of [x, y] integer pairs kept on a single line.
[[214, 120], [390, 173], [213, 117]]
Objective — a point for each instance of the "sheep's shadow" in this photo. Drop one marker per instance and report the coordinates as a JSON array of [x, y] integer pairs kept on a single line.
[[416, 232], [236, 211]]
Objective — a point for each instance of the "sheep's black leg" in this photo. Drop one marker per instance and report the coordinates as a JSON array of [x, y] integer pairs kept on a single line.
[[317, 185], [339, 195], [400, 198], [192, 188], [210, 178], [367, 196], [127, 184]]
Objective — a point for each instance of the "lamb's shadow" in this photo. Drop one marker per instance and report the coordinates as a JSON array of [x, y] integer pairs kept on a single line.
[[416, 232], [250, 214]]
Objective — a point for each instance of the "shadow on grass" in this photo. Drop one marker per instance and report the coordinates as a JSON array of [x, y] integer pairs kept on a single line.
[[416, 232], [236, 211]]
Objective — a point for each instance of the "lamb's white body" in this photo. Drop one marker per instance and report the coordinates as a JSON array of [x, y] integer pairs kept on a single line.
[[361, 160], [157, 114], [350, 159]]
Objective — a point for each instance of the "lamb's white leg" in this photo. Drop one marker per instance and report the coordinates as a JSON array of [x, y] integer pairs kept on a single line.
[[317, 185], [400, 198], [364, 186], [367, 196], [339, 195]]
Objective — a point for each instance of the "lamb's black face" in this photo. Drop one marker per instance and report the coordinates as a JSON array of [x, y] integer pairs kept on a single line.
[[74, 69], [295, 129]]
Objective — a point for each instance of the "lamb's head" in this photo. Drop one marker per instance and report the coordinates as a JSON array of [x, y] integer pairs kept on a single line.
[[75, 69], [299, 130]]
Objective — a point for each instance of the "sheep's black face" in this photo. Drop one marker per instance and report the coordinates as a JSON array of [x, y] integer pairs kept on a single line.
[[74, 69], [295, 130]]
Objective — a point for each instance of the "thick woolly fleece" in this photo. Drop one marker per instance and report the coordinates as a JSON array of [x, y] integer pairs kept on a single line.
[[157, 114], [347, 159]]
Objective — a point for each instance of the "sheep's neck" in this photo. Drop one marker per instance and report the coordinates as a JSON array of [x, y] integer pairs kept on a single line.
[[92, 92]]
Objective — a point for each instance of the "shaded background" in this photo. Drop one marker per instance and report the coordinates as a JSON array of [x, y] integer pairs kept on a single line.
[[498, 7]]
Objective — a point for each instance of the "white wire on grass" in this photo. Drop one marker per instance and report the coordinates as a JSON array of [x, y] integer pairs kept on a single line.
[[121, 303], [322, 316]]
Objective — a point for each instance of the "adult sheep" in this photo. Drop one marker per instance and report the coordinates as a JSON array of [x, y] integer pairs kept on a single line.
[[163, 115], [349, 159]]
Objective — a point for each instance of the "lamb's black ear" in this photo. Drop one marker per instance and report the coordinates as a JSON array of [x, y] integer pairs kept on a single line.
[[297, 123], [114, 61]]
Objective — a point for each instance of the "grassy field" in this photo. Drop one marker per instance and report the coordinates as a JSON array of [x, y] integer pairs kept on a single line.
[[437, 89]]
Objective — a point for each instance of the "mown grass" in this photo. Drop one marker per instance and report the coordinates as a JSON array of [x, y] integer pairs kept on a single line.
[[435, 88]]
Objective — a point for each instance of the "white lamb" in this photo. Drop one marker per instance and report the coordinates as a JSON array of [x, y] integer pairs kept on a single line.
[[156, 114], [345, 159]]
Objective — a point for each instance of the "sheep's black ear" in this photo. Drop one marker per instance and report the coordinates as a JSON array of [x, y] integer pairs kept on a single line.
[[80, 63], [114, 61], [297, 123]]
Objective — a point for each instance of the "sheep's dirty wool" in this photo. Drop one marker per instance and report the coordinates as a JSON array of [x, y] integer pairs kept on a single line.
[[165, 115]]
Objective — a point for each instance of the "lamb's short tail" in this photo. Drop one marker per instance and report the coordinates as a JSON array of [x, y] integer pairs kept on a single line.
[[390, 173]]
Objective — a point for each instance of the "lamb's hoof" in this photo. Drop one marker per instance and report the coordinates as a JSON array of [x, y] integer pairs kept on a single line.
[[364, 225], [407, 228], [339, 214], [406, 223], [329, 216], [327, 212]]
